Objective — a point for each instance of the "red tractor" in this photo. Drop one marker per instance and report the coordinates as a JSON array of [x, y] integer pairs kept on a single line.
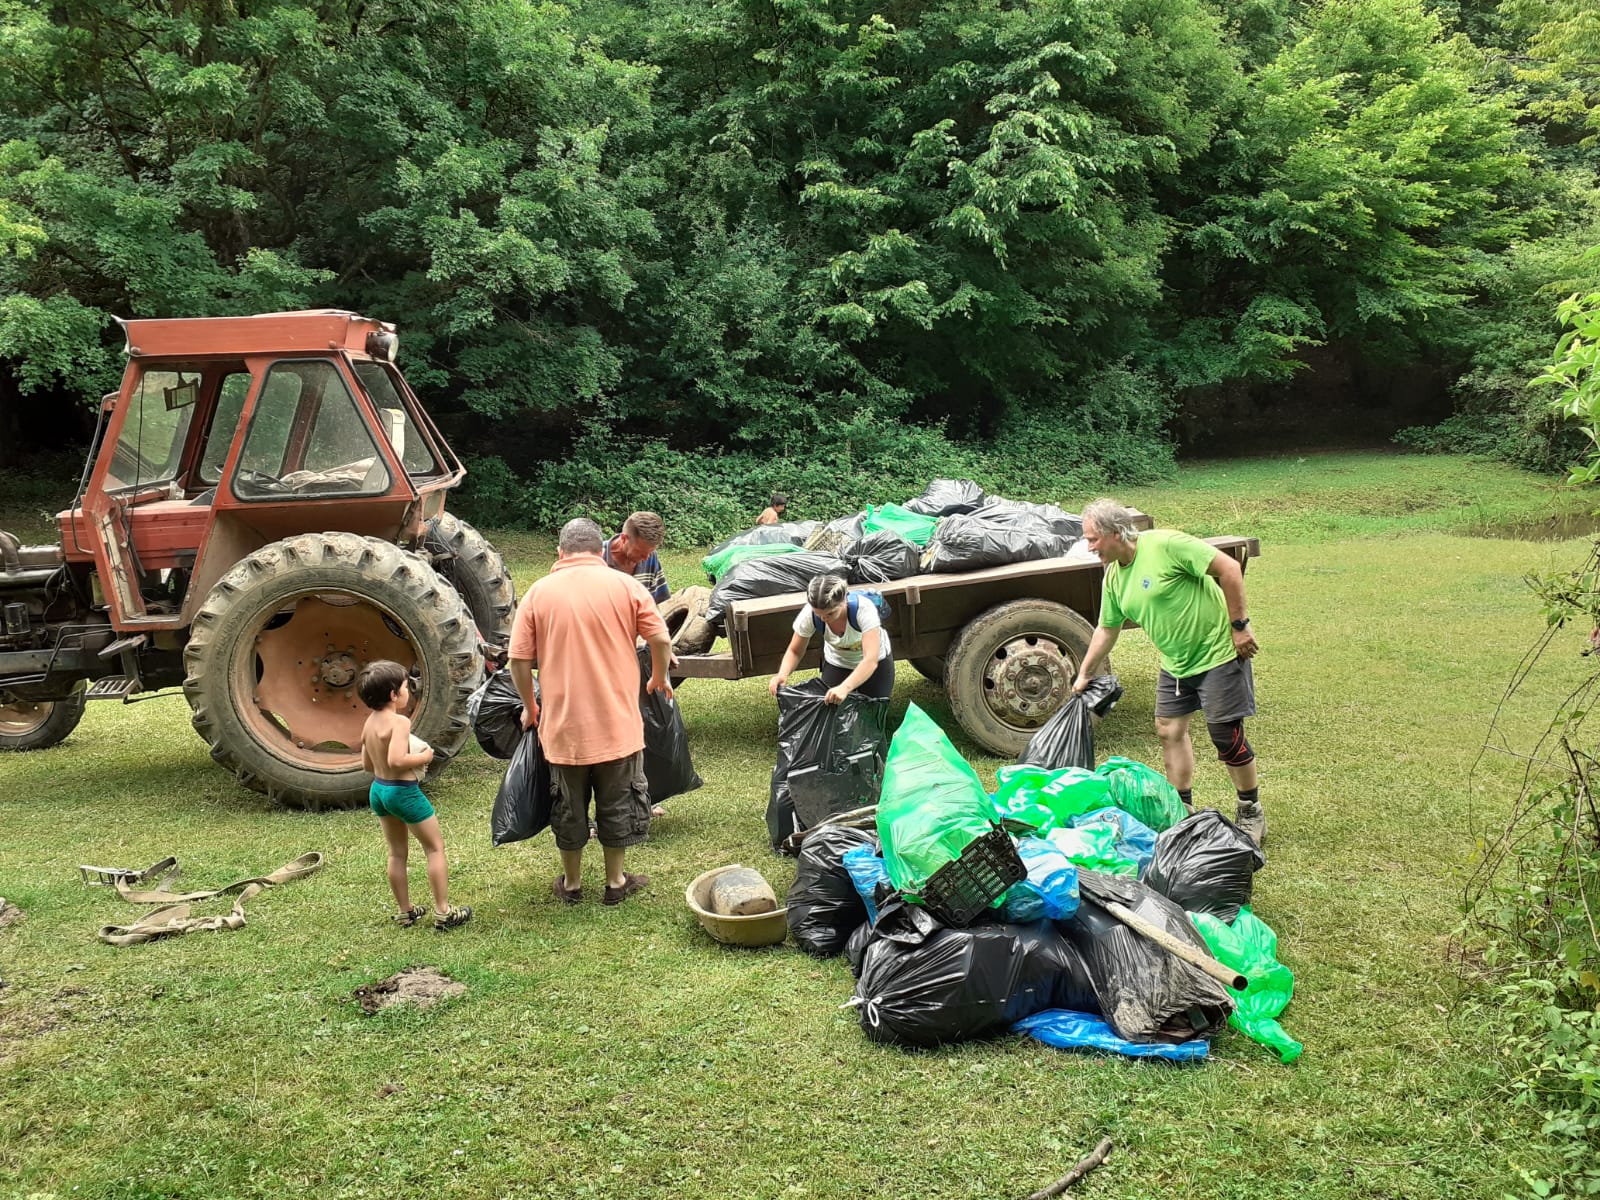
[[262, 513]]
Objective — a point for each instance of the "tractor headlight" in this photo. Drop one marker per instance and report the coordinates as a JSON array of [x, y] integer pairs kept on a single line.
[[384, 345]]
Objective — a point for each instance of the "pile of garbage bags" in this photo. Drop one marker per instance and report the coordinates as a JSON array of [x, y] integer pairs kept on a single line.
[[953, 526], [1052, 955]]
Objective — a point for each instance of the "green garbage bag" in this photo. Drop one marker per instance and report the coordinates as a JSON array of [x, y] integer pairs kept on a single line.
[[1095, 847], [932, 806], [914, 527], [1251, 948], [716, 565], [1142, 792], [1047, 799]]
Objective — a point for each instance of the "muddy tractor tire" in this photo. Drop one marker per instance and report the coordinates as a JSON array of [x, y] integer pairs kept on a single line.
[[684, 613], [1011, 667], [273, 654], [38, 724], [475, 569]]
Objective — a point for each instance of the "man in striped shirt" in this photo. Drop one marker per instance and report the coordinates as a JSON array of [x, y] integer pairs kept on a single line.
[[633, 552]]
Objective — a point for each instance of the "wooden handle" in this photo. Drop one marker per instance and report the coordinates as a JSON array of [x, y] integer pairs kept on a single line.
[[1201, 962]]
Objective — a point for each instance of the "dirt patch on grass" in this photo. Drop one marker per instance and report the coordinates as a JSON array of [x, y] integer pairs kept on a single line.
[[19, 1025], [10, 914], [422, 986]]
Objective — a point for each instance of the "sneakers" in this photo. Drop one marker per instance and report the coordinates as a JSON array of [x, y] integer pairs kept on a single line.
[[454, 917], [411, 916], [630, 885], [1252, 820], [565, 894]]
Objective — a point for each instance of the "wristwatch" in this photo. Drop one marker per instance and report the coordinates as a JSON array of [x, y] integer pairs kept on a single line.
[[1241, 624]]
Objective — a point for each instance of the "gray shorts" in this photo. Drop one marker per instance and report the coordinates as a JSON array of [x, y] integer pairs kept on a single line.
[[621, 802], [1225, 693]]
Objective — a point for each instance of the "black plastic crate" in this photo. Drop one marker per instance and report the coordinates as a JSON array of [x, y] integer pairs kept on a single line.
[[960, 891]]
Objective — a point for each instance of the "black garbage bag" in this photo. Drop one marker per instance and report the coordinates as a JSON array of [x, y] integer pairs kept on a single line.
[[495, 713], [794, 533], [837, 534], [830, 757], [667, 767], [768, 577], [1067, 738], [855, 950], [881, 557], [968, 543], [1145, 993], [522, 805], [824, 906], [1068, 525], [956, 984], [1206, 863], [946, 497], [1053, 973]]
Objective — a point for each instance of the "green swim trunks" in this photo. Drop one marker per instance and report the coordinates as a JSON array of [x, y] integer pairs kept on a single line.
[[403, 800]]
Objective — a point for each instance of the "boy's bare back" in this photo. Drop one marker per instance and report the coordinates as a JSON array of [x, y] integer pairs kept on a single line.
[[376, 737]]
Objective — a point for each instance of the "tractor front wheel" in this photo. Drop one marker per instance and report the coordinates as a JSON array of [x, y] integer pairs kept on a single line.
[[38, 724], [275, 649], [474, 568]]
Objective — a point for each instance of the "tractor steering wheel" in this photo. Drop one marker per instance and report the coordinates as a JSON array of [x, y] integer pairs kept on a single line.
[[260, 481]]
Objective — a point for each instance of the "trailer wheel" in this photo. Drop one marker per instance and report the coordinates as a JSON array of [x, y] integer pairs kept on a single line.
[[475, 569], [274, 651], [38, 724], [1011, 667], [931, 668]]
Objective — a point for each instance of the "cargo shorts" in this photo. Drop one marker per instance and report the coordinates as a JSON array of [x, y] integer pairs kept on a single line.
[[621, 802]]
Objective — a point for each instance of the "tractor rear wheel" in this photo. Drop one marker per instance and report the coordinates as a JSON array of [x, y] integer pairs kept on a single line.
[[274, 651], [475, 569], [38, 724]]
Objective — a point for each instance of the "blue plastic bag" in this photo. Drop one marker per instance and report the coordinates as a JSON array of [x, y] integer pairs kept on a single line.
[[1068, 1030], [1050, 892], [866, 869], [1135, 839]]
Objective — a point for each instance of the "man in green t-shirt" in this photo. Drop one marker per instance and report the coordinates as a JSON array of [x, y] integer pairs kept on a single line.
[[1188, 597]]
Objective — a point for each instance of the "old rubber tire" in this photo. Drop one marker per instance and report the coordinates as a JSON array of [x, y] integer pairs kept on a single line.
[[475, 569], [931, 668], [37, 725], [684, 613], [273, 653], [1011, 667]]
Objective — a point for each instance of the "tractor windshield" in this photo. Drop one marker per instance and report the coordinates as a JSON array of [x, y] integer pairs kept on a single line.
[[150, 446], [403, 433]]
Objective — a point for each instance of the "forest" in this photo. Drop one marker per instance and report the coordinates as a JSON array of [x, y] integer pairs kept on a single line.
[[644, 253]]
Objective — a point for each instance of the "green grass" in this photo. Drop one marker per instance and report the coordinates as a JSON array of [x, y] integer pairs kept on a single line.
[[612, 1052]]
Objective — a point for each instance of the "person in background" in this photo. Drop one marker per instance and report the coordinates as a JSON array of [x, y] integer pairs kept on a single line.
[[855, 646], [773, 512], [1189, 598], [633, 552], [580, 624]]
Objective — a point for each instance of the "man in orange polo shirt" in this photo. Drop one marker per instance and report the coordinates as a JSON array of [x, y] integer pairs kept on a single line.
[[580, 624]]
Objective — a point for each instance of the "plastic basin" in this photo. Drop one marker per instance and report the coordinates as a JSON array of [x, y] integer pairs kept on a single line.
[[759, 929]]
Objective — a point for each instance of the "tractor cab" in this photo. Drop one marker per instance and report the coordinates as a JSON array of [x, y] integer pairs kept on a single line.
[[229, 433]]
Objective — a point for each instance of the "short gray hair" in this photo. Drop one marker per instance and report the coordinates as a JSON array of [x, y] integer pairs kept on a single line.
[[1110, 517], [826, 591], [580, 536], [647, 527]]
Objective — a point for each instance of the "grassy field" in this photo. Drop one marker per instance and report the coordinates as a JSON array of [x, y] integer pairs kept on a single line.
[[619, 1052]]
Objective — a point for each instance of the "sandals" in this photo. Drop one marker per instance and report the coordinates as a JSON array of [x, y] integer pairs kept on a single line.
[[565, 894], [630, 885], [411, 916], [454, 917]]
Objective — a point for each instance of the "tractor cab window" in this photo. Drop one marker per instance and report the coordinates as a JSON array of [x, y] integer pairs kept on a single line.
[[219, 439], [150, 446], [402, 431], [307, 438]]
